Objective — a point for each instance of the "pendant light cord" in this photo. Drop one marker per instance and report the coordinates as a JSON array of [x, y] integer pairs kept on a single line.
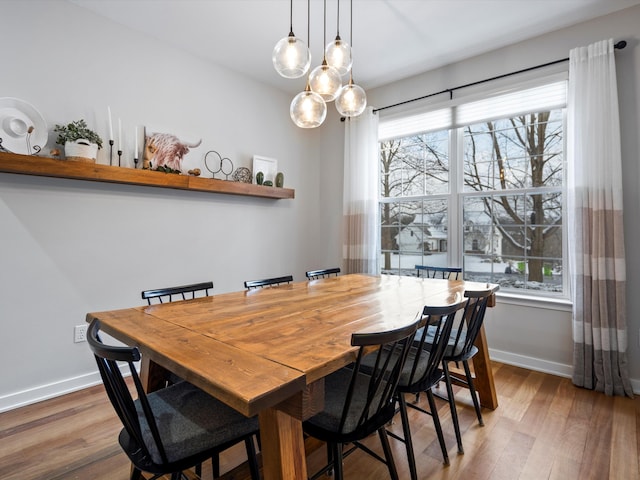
[[338, 21], [291, 19], [351, 26], [324, 33], [351, 42], [308, 25]]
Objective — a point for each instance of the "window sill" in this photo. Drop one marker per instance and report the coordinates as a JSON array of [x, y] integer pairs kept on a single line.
[[549, 303]]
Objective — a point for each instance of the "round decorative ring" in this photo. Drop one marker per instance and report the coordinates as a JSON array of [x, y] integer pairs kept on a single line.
[[219, 162]]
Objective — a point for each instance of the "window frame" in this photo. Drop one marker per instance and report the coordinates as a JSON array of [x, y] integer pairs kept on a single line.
[[456, 194]]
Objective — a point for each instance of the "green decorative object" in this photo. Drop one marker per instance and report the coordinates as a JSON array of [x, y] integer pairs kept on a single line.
[[259, 178], [280, 180], [268, 183], [77, 130]]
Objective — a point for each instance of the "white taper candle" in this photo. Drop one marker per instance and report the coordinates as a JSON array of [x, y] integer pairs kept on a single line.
[[110, 124]]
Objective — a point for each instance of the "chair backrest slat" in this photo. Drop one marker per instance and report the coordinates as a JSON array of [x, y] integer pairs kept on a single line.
[[107, 358], [381, 380], [162, 294], [323, 273], [249, 284], [468, 328], [430, 345], [447, 273]]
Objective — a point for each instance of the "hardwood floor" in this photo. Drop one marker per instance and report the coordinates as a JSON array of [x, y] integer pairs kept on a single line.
[[544, 428]]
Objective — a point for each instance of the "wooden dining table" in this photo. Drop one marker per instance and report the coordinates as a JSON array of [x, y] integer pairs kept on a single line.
[[266, 352]]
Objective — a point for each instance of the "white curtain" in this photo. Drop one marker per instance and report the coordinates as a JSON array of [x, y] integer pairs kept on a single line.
[[597, 256], [360, 201]]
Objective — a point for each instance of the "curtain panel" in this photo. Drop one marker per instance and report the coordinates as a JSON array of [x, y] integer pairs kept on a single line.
[[597, 254], [360, 201]]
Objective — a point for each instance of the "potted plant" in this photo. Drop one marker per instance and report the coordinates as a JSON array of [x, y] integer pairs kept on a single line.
[[79, 141]]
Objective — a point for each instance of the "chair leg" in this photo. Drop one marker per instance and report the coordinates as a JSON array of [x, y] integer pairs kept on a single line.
[[330, 459], [436, 423], [408, 442], [251, 458], [452, 405], [474, 394], [136, 474], [387, 453], [336, 449], [215, 465]]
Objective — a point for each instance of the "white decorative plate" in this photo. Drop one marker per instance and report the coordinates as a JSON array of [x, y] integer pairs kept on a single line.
[[22, 127]]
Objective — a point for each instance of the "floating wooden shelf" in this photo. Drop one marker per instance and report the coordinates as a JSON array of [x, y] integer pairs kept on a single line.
[[94, 172]]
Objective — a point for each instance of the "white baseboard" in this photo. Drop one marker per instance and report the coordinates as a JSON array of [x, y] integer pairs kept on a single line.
[[51, 390], [45, 392], [544, 366]]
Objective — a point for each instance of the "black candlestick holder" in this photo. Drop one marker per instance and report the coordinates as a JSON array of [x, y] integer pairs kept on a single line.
[[119, 156], [135, 162], [110, 152]]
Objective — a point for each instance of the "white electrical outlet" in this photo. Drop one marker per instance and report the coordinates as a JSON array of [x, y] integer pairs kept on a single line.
[[80, 333]]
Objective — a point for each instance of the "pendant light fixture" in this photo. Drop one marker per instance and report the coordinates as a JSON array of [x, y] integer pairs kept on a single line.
[[338, 52], [308, 109], [325, 79], [291, 57], [352, 99]]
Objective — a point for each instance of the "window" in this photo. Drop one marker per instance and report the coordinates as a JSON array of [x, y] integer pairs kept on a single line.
[[485, 178]]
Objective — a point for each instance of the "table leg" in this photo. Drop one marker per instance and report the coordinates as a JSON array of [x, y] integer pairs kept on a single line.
[[282, 443], [152, 375], [483, 373]]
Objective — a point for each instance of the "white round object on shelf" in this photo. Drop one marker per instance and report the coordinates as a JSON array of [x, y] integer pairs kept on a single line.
[[22, 127]]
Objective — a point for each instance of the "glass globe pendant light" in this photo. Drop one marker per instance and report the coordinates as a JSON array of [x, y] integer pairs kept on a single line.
[[352, 100], [308, 109], [325, 79], [338, 52], [291, 57]]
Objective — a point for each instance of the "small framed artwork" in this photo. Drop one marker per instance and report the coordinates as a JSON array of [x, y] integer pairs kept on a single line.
[[268, 167]]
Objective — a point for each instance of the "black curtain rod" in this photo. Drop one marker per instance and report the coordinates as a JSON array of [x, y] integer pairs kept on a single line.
[[619, 45]]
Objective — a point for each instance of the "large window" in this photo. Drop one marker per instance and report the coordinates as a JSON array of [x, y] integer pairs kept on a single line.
[[483, 191]]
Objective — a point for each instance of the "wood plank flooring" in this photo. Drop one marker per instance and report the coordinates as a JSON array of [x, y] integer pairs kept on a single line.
[[544, 428]]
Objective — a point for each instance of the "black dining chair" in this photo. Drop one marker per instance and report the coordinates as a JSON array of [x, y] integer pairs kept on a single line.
[[173, 429], [461, 348], [182, 292], [266, 282], [359, 403], [447, 273], [422, 372], [323, 273]]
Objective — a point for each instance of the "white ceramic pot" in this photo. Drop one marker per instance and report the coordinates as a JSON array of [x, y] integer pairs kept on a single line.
[[81, 150]]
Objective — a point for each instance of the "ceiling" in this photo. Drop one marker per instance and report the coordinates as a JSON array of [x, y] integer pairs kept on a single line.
[[392, 39]]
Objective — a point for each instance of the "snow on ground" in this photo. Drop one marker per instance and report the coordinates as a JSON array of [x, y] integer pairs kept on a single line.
[[477, 268]]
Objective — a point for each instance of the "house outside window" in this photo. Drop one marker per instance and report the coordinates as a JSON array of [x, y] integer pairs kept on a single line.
[[479, 185]]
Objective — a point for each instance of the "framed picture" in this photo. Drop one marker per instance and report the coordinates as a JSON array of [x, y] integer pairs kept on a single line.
[[268, 166]]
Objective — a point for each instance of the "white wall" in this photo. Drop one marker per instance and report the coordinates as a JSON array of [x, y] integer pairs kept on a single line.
[[69, 247], [531, 336]]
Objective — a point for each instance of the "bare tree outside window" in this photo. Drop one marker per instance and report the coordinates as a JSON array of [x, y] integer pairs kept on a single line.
[[519, 162], [511, 201], [414, 169]]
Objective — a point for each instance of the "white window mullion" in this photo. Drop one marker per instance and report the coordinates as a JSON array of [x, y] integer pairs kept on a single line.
[[455, 208]]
